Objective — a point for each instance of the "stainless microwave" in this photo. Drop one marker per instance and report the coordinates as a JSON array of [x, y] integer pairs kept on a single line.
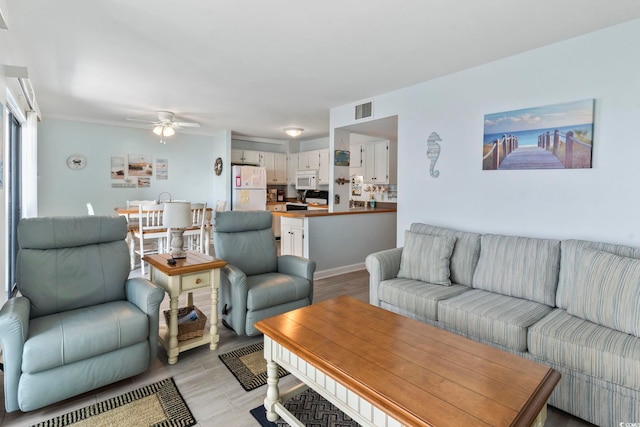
[[307, 180]]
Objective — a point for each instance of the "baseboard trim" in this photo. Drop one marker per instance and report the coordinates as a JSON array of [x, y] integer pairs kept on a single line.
[[338, 270]]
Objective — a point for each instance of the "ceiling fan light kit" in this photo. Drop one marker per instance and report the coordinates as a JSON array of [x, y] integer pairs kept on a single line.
[[293, 132], [165, 125]]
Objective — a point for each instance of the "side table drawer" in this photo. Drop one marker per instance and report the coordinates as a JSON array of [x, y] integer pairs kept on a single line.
[[195, 280]]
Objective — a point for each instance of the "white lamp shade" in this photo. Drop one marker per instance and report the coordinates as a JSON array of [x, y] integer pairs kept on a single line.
[[293, 132], [177, 215]]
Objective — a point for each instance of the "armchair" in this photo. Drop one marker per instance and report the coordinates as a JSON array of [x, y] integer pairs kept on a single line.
[[79, 322], [256, 283]]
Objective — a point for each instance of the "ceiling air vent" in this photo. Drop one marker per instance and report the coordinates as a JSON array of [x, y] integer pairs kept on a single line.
[[364, 111]]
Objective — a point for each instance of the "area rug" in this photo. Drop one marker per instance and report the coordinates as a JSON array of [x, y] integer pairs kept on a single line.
[[158, 404], [311, 409], [249, 366]]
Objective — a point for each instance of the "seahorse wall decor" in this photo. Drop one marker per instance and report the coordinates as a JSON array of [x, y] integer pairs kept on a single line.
[[433, 152]]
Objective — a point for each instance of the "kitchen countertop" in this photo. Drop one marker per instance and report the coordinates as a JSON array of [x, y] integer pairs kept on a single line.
[[352, 211]]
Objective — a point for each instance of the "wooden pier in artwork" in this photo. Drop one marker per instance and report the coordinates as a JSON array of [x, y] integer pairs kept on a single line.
[[531, 158]]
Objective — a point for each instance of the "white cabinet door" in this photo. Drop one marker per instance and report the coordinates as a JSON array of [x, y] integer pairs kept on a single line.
[[376, 162], [293, 168], [268, 162], [280, 167], [252, 157], [323, 167], [309, 160], [292, 236], [245, 156]]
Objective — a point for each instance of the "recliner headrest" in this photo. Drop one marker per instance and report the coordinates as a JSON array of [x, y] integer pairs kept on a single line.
[[235, 221]]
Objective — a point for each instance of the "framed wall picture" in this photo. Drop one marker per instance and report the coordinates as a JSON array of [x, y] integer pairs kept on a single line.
[[558, 136], [341, 158]]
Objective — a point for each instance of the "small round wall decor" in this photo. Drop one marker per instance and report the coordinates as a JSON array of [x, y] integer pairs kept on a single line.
[[218, 166], [76, 161]]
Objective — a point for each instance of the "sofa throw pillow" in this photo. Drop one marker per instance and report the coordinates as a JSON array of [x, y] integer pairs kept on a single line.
[[608, 291], [426, 258]]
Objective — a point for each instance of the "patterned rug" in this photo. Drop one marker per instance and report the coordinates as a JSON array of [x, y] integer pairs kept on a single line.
[[249, 366], [158, 404], [311, 409]]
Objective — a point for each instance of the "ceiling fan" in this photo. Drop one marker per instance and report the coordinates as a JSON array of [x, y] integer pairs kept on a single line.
[[165, 125]]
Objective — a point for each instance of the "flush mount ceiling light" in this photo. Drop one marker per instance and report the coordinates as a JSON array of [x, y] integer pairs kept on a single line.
[[293, 132]]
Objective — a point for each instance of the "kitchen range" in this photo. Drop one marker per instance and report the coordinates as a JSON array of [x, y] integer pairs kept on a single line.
[[311, 200]]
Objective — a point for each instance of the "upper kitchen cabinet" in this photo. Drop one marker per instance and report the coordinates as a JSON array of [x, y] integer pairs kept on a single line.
[[293, 168], [245, 157], [356, 166], [380, 164], [309, 160], [323, 169], [276, 167]]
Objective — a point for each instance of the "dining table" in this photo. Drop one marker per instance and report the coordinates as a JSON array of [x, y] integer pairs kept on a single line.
[[132, 214]]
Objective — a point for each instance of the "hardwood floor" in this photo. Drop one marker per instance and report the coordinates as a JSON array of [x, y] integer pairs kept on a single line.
[[211, 391]]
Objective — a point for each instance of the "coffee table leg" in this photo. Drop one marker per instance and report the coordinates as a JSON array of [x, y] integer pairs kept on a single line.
[[273, 393]]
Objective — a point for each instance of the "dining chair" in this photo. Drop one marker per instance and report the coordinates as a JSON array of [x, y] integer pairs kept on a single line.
[[195, 237], [221, 205], [150, 233]]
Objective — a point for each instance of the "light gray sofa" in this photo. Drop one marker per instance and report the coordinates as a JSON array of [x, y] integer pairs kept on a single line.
[[572, 305], [79, 322]]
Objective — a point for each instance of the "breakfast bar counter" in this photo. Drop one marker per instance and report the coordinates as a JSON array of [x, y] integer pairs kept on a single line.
[[338, 242]]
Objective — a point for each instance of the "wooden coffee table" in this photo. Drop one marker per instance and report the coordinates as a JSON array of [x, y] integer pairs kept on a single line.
[[383, 369]]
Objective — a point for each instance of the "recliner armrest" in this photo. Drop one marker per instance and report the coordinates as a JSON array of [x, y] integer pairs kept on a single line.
[[147, 297], [296, 266], [14, 327], [383, 265]]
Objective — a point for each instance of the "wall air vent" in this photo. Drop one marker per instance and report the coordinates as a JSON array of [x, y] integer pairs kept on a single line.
[[364, 111]]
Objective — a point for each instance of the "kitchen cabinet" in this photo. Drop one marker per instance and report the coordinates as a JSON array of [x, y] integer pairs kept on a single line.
[[309, 160], [276, 167], [379, 163], [356, 166], [245, 157], [292, 236], [323, 167], [293, 168], [275, 219]]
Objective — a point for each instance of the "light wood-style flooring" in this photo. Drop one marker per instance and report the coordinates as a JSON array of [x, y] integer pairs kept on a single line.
[[211, 391]]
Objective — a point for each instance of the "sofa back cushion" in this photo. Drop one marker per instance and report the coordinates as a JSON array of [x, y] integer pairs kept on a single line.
[[520, 267], [426, 258], [609, 291], [466, 251], [66, 263], [570, 266]]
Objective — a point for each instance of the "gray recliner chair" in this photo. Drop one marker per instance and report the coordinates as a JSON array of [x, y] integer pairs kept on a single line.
[[79, 322], [256, 283]]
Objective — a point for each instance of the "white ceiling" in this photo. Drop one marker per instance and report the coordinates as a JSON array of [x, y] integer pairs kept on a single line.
[[258, 66]]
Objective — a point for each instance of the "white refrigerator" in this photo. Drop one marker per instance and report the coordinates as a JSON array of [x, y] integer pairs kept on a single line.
[[248, 188]]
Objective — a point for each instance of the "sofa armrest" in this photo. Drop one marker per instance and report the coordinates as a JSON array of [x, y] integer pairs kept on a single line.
[[383, 265], [234, 282], [147, 297], [14, 327]]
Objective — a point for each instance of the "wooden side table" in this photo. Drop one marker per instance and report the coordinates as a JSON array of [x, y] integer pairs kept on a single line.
[[196, 271]]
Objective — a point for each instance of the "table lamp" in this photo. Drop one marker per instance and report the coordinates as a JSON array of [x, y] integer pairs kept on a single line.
[[177, 217]]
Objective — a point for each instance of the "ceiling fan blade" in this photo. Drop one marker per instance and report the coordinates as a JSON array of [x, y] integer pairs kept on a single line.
[[149, 122], [187, 124]]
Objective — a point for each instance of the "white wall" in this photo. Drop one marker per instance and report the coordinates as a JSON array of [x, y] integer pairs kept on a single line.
[[601, 203], [62, 191]]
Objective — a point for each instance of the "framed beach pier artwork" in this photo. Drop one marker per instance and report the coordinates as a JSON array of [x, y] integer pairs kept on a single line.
[[558, 136]]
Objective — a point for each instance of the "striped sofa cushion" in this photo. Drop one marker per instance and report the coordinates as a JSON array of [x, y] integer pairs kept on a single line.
[[583, 346], [569, 266], [417, 297], [519, 267], [499, 319], [465, 252], [609, 291], [426, 258]]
